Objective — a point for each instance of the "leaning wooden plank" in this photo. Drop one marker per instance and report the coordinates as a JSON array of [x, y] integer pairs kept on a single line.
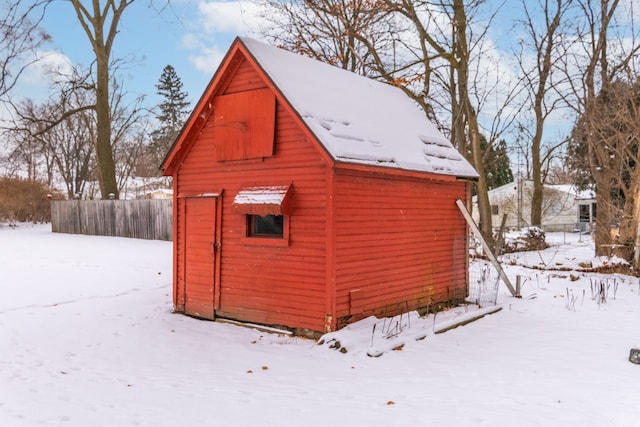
[[439, 327], [447, 326], [396, 344], [485, 246]]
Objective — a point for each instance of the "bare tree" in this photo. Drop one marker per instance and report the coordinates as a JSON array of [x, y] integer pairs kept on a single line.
[[545, 43], [368, 37], [614, 122], [65, 149], [608, 47], [20, 37], [327, 30], [62, 134], [426, 48], [460, 64], [455, 45], [130, 125], [71, 146], [100, 21], [26, 154]]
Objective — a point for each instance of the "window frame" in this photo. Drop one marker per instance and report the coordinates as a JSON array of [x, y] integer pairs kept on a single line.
[[252, 222], [250, 238], [584, 213]]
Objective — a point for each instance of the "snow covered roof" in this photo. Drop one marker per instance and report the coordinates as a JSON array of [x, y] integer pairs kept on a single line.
[[262, 200], [261, 195], [569, 189], [357, 119], [586, 194]]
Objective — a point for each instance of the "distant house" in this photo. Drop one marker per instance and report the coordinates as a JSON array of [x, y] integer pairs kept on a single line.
[[160, 193], [586, 201], [564, 207], [147, 188], [308, 197]]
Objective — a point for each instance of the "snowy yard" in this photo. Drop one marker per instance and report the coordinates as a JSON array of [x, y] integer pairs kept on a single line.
[[88, 338]]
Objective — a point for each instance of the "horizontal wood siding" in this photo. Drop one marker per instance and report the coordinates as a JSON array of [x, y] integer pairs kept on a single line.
[[179, 243], [397, 244], [244, 79], [274, 285]]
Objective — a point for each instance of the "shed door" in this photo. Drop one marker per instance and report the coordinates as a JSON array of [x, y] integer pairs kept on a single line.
[[200, 253]]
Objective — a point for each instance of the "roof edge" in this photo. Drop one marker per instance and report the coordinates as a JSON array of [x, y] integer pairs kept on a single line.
[[168, 164]]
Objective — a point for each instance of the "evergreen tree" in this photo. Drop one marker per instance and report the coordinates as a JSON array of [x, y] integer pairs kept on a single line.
[[577, 158], [496, 164], [173, 112]]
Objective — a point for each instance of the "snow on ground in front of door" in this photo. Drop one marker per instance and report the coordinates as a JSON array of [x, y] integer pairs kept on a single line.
[[88, 337]]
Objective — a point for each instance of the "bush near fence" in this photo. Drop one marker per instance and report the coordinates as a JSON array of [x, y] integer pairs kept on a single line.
[[25, 200], [140, 219]]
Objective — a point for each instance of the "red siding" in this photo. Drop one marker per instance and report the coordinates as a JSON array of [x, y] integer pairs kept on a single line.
[[359, 242], [199, 267], [400, 244], [277, 285], [179, 241], [243, 125]]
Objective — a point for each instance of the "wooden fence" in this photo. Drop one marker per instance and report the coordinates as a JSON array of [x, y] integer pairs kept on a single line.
[[140, 219]]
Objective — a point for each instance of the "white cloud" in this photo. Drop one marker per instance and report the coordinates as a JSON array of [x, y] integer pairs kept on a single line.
[[190, 41], [239, 17], [208, 60], [218, 23], [49, 65]]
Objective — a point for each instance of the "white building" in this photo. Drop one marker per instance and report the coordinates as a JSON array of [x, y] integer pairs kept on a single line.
[[564, 208]]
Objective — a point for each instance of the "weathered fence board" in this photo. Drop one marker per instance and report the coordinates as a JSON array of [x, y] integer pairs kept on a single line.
[[140, 219]]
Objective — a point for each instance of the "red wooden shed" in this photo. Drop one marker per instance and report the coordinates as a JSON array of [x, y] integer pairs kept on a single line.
[[309, 197]]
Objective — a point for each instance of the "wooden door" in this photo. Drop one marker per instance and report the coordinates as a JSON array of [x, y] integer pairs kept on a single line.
[[200, 253]]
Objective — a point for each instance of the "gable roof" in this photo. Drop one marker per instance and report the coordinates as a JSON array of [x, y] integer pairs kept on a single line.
[[358, 120]]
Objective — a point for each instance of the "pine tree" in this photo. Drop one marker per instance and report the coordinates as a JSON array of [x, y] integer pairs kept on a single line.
[[173, 112], [496, 165]]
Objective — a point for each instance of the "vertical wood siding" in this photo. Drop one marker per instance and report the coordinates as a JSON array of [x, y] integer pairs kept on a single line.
[[397, 244], [278, 285], [140, 219], [199, 268]]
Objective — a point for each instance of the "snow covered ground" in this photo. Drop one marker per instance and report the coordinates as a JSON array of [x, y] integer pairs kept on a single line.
[[88, 338]]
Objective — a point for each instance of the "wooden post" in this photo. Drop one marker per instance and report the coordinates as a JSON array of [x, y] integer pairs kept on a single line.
[[500, 242], [485, 246]]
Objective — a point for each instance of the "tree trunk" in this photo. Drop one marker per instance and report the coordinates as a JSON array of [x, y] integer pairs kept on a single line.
[[636, 223], [460, 62], [605, 218], [484, 205], [629, 225], [101, 27], [104, 151], [538, 186]]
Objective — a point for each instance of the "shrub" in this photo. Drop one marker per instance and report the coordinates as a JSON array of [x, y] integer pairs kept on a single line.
[[528, 239], [23, 200]]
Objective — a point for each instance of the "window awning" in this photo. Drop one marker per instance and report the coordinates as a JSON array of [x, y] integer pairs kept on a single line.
[[263, 200]]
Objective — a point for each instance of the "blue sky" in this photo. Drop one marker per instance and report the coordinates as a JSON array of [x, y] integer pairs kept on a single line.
[[192, 36]]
